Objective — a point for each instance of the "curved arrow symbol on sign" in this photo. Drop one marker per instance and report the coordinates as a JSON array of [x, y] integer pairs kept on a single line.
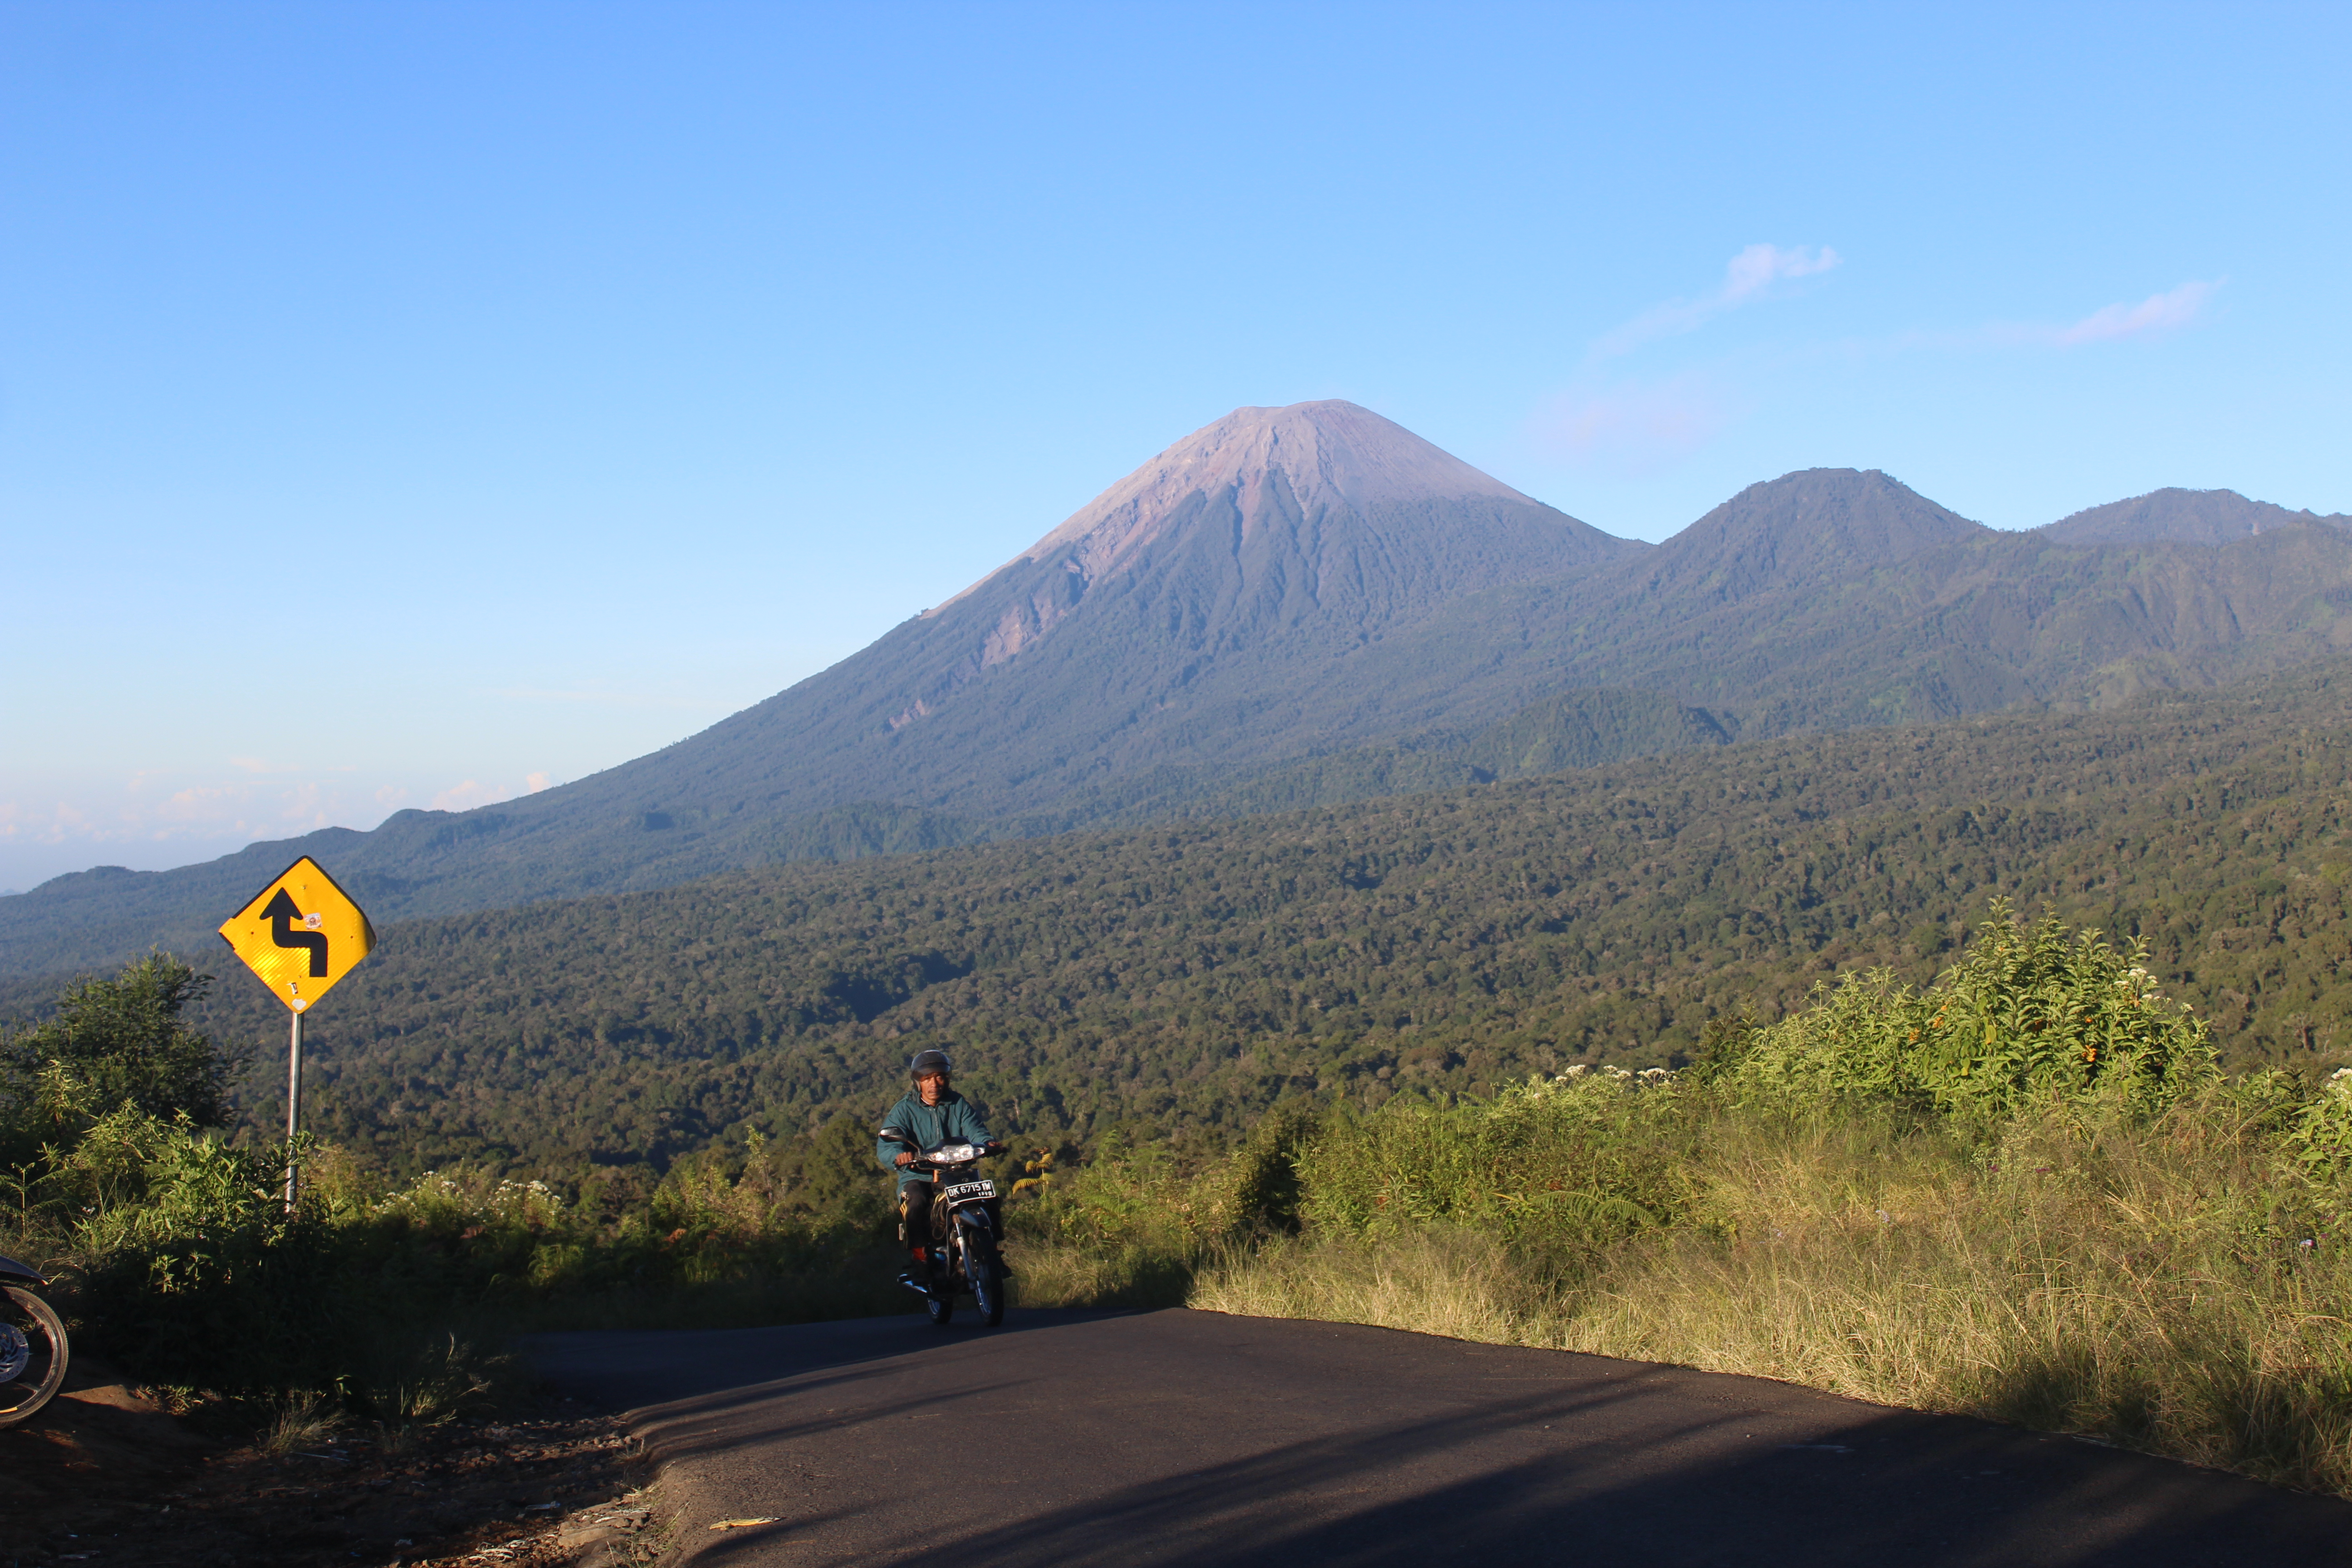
[[282, 912]]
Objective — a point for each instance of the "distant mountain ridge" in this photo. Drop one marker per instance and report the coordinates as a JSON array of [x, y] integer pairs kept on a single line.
[[2185, 516], [1819, 525], [1311, 602]]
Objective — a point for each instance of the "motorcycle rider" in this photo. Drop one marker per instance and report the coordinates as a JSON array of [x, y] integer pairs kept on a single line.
[[931, 1115]]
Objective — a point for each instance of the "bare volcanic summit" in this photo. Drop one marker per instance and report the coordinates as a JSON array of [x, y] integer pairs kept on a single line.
[[1221, 571]]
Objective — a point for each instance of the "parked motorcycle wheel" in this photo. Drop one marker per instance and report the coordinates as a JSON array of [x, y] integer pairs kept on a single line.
[[43, 1370], [987, 1278]]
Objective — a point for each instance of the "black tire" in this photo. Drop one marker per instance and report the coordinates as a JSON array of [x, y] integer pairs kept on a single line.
[[987, 1276], [940, 1303], [46, 1373]]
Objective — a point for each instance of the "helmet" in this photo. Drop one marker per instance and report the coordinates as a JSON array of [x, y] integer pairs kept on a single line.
[[929, 1061]]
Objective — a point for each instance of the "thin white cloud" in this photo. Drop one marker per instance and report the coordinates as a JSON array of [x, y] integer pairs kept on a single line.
[[1634, 429], [604, 698], [467, 795], [154, 818], [1759, 266], [472, 793], [1748, 276], [197, 811], [2157, 314], [263, 765], [240, 803]]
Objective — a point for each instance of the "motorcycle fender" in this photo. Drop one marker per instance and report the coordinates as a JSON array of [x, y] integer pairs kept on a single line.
[[975, 1216]]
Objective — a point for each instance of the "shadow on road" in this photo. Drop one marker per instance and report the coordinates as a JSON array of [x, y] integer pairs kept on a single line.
[[1178, 1437], [626, 1369]]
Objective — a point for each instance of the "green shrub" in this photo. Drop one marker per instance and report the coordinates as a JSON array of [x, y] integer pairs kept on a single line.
[[2028, 1014], [111, 1044], [2321, 1133], [1560, 1168]]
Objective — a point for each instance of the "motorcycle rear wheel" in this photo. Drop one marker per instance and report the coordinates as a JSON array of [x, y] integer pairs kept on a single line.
[[46, 1373]]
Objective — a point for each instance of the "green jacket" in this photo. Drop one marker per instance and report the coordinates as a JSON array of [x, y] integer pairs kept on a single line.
[[952, 1118]]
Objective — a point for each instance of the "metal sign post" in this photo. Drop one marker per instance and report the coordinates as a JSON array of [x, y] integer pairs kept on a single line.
[[293, 1107], [299, 934]]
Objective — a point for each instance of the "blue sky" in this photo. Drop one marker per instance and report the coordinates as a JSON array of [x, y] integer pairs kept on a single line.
[[413, 404]]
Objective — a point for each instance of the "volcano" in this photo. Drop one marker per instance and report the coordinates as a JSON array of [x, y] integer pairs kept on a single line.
[[1192, 620], [1304, 605], [1193, 613]]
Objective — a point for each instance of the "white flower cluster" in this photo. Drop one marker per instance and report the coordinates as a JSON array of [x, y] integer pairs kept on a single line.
[[1584, 1082], [508, 1198], [1647, 1075]]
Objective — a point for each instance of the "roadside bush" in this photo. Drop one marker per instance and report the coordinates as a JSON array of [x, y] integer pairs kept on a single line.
[[177, 1256], [2025, 1193], [2028, 1014], [1557, 1169], [1131, 1230], [194, 1276], [111, 1044]]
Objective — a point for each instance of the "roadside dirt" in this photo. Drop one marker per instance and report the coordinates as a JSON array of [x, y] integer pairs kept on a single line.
[[106, 1476]]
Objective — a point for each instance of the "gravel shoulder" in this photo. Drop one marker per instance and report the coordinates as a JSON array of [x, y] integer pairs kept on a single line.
[[106, 1475]]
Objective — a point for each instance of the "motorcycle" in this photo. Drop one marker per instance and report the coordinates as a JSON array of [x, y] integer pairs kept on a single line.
[[33, 1353], [961, 1256]]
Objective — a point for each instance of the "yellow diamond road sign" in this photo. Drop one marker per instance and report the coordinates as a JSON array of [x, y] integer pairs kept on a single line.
[[300, 935]]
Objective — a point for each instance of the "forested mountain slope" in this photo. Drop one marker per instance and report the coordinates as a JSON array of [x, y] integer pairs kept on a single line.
[[1189, 973], [1309, 605]]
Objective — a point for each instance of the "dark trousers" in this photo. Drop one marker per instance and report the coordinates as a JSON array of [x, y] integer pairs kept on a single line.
[[915, 1213]]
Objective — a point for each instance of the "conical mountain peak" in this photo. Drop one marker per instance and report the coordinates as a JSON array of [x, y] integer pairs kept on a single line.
[[1325, 457]]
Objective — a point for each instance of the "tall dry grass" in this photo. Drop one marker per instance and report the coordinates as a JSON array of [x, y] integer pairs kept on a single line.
[[2173, 1284], [1448, 1281]]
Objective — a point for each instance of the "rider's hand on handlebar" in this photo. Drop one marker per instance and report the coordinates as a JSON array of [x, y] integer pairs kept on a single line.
[[904, 1158]]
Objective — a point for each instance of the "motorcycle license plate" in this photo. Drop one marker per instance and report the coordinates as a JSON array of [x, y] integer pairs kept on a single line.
[[970, 1190]]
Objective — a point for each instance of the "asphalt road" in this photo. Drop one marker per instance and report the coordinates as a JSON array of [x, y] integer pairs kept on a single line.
[[1071, 1439]]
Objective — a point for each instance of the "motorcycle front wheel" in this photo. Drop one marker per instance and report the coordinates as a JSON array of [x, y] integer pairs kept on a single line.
[[27, 1320], [940, 1303], [987, 1277]]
